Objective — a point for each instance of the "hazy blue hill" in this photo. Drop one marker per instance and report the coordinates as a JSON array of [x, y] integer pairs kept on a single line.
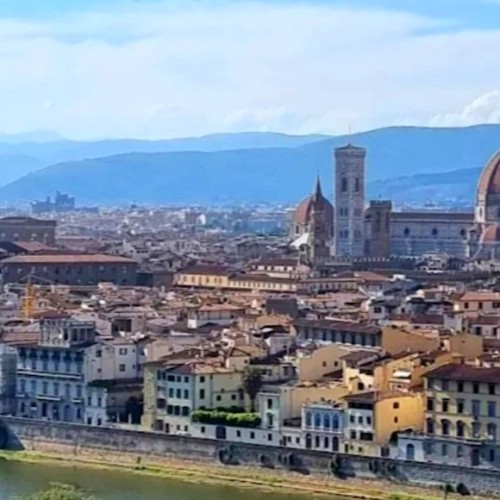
[[280, 174], [457, 185]]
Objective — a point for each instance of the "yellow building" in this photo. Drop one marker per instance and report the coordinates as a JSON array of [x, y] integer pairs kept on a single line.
[[201, 276], [372, 418]]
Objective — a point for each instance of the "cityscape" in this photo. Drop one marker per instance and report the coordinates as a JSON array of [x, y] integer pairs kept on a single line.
[[250, 248]]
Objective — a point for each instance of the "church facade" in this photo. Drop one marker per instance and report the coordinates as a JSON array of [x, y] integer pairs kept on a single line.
[[381, 232]]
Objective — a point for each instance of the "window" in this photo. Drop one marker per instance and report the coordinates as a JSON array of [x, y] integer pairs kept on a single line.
[[202, 393], [492, 409], [429, 447], [238, 433], [430, 404], [56, 389], [460, 387], [252, 435], [122, 351], [406, 232], [444, 450], [475, 388], [270, 403], [492, 432], [445, 403], [430, 426], [45, 388], [492, 455], [445, 427], [186, 379], [171, 378], [121, 368], [445, 385], [186, 394], [476, 408], [317, 420], [460, 429], [98, 353], [343, 184], [269, 437], [170, 392], [395, 406], [460, 405], [202, 379], [460, 451], [326, 421], [476, 430], [178, 393], [218, 398], [491, 389]]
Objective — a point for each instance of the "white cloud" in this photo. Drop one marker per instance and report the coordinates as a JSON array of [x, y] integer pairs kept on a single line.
[[483, 109], [189, 68]]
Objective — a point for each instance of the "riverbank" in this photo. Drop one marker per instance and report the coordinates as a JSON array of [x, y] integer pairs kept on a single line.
[[215, 474]]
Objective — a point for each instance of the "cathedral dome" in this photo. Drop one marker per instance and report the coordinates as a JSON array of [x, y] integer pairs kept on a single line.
[[302, 213], [489, 182]]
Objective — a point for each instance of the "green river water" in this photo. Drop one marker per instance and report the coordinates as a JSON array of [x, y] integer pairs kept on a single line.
[[17, 478]]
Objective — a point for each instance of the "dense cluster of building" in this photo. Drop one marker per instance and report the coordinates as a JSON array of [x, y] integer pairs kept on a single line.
[[346, 335]]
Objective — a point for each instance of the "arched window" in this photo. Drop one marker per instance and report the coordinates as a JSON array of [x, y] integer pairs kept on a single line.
[[410, 452], [463, 233], [335, 422], [357, 185], [434, 232], [317, 420], [406, 232], [343, 185], [326, 421], [317, 442], [460, 429], [326, 443], [308, 419]]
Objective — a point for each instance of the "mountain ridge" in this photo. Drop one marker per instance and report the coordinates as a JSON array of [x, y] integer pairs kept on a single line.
[[275, 174]]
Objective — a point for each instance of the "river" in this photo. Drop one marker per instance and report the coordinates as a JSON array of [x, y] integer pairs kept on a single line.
[[17, 478]]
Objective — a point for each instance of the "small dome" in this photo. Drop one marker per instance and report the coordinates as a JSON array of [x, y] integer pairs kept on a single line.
[[303, 211], [489, 182]]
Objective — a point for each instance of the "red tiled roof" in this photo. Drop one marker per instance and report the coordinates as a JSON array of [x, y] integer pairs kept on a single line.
[[465, 373]]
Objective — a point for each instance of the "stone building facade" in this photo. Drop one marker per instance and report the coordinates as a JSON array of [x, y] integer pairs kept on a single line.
[[349, 201], [28, 229], [69, 269]]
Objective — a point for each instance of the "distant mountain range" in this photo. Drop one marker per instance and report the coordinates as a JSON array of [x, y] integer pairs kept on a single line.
[[403, 163]]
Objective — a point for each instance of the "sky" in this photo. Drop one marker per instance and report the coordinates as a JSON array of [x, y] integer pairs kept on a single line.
[[154, 69]]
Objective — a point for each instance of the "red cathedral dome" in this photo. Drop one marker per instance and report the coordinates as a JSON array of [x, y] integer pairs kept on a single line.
[[489, 182], [303, 211]]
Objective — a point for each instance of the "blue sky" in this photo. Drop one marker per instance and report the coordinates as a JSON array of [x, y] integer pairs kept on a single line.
[[169, 68]]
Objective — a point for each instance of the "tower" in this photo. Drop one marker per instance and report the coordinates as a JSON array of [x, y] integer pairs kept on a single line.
[[349, 200]]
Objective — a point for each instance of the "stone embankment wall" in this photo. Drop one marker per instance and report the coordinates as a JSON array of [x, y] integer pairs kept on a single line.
[[19, 434]]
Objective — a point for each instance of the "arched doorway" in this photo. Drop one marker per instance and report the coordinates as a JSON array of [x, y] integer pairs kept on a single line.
[[308, 441], [410, 452], [335, 443]]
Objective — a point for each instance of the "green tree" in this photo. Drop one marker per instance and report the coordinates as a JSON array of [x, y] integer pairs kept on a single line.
[[58, 491], [252, 384]]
